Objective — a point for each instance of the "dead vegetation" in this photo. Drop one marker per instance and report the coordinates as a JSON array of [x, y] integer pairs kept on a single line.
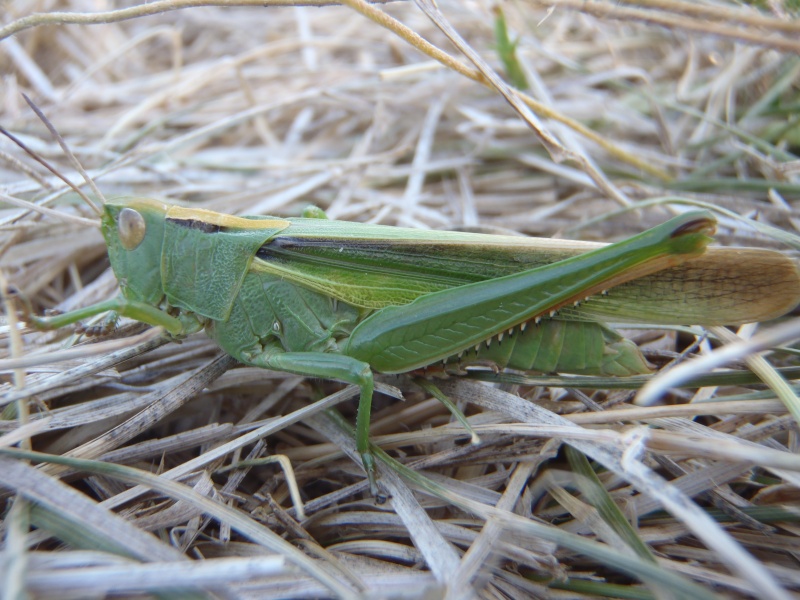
[[162, 475]]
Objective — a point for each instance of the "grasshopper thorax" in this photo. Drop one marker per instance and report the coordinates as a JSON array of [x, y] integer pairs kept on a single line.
[[196, 259]]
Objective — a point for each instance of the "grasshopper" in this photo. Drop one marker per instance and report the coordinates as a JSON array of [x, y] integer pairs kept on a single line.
[[342, 300]]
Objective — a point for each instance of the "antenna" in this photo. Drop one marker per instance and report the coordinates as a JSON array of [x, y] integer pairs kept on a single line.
[[75, 162]]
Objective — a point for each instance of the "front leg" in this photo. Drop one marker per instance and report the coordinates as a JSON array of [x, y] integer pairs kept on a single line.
[[329, 366], [120, 305]]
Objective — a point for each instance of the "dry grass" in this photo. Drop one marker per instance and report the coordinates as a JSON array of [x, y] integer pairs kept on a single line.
[[265, 110]]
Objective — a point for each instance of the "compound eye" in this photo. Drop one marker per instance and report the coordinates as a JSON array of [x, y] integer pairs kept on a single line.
[[131, 228]]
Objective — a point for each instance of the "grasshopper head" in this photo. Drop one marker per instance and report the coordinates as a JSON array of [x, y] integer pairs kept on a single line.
[[134, 232]]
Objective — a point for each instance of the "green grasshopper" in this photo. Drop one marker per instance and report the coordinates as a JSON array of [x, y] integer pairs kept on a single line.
[[342, 300]]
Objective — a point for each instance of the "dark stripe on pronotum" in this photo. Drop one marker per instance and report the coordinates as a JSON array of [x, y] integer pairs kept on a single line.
[[203, 226]]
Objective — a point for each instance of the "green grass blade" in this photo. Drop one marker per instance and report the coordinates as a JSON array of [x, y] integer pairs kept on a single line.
[[598, 496]]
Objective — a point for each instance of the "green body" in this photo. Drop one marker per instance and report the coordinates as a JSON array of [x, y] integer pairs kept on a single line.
[[341, 300]]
